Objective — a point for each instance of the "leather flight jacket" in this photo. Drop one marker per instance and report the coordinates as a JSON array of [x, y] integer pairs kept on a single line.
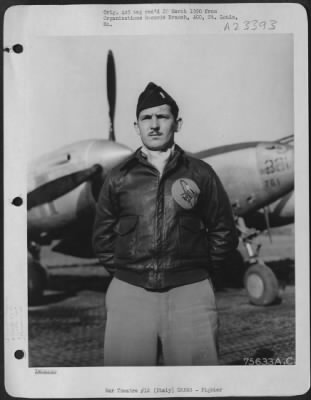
[[163, 231]]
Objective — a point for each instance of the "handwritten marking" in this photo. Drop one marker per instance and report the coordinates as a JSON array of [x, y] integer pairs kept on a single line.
[[252, 25]]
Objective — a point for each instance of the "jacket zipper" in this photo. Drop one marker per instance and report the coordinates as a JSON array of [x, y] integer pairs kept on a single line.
[[157, 224], [159, 221], [158, 229]]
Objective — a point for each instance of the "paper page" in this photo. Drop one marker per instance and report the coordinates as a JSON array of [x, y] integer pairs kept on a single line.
[[239, 75]]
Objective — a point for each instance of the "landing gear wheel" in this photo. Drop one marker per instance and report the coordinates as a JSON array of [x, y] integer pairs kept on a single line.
[[37, 279], [261, 284]]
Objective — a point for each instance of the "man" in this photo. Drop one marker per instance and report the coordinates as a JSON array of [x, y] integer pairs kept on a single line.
[[163, 223]]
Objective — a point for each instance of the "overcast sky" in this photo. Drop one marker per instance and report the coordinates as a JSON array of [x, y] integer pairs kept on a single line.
[[229, 88]]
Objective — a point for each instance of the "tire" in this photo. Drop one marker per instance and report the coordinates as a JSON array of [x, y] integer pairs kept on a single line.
[[37, 280], [262, 285]]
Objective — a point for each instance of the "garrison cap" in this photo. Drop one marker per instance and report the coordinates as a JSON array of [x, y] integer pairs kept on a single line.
[[153, 96]]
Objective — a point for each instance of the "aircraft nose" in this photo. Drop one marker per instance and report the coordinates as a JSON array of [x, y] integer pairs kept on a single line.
[[276, 166], [107, 154]]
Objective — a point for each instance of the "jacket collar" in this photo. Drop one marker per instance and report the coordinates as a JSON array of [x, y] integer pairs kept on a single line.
[[138, 156]]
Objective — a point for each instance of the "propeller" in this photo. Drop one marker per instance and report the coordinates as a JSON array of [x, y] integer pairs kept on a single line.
[[60, 186], [111, 92], [267, 219]]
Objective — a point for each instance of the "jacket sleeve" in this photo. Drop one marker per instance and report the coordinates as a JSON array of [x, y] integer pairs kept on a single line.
[[221, 231], [106, 218]]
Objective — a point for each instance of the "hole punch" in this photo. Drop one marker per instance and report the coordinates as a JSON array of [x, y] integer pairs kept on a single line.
[[17, 201], [19, 354], [18, 48]]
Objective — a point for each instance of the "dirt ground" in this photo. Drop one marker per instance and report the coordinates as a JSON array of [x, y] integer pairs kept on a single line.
[[67, 328]]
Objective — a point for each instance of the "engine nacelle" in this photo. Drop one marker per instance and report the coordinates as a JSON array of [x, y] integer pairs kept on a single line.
[[51, 218], [254, 174]]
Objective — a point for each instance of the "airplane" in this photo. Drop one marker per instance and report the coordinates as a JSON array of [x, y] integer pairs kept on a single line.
[[63, 188]]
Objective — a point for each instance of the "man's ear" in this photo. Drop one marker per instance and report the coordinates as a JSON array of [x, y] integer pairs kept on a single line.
[[136, 128], [179, 123]]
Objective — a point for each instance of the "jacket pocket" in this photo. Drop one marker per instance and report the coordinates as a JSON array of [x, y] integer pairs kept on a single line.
[[193, 237], [126, 239]]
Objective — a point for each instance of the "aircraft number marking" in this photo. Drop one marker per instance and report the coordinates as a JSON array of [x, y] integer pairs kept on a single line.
[[279, 164], [272, 183]]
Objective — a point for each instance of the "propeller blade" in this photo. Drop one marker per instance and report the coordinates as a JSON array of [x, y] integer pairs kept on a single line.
[[267, 219], [287, 140], [60, 186], [111, 92]]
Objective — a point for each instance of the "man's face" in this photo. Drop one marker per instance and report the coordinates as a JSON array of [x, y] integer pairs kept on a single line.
[[156, 127]]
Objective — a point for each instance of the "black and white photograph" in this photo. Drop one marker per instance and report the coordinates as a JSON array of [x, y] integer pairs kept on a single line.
[[153, 152]]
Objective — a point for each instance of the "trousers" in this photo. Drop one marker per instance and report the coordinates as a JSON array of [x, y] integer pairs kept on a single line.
[[183, 321]]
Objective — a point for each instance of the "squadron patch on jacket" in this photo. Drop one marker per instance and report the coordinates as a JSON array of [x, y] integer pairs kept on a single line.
[[185, 192]]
